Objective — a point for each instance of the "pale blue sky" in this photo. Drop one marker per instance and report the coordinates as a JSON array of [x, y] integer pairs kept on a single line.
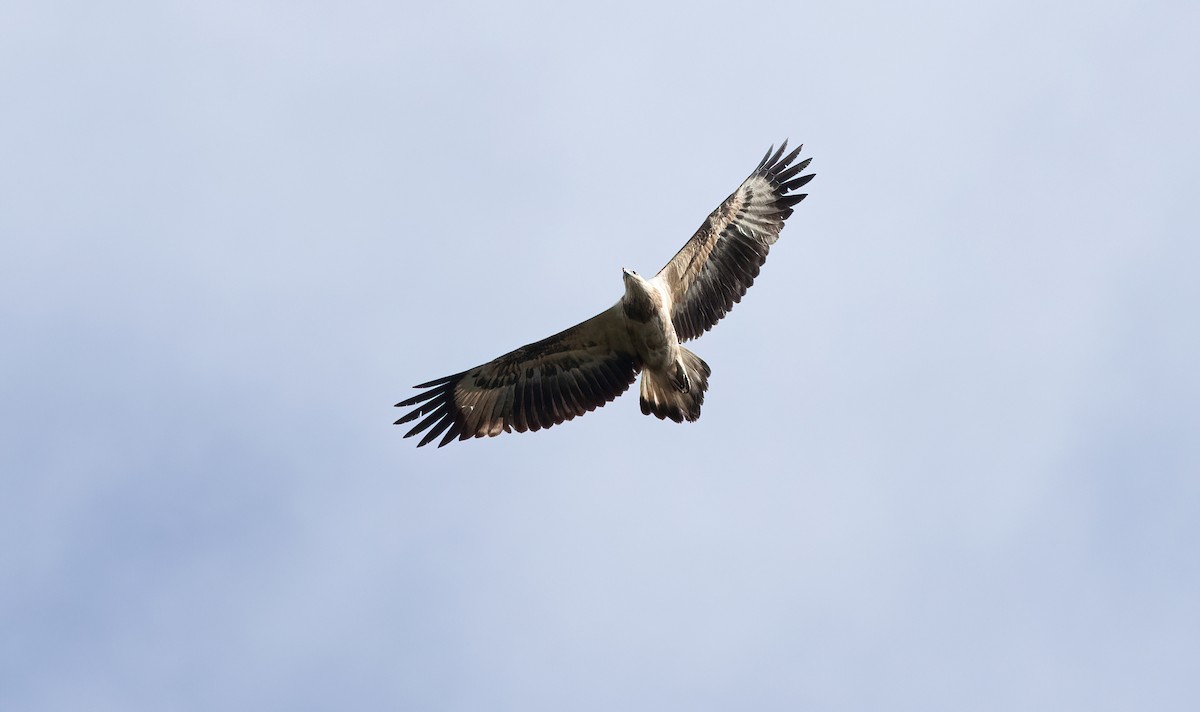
[[949, 459]]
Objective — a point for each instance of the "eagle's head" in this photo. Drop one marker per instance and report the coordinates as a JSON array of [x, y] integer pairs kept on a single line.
[[634, 282]]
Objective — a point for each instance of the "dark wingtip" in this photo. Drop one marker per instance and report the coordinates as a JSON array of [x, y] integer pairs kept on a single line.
[[767, 155], [439, 381], [778, 153], [434, 432], [792, 156], [419, 398], [801, 181]]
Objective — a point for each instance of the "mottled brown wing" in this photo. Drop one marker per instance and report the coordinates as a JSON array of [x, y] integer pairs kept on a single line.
[[716, 267], [534, 387]]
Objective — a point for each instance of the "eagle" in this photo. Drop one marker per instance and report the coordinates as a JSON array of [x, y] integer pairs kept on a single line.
[[588, 365]]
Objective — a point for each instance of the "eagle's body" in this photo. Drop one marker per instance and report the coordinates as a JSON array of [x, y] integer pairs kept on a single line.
[[646, 309], [577, 370], [668, 370]]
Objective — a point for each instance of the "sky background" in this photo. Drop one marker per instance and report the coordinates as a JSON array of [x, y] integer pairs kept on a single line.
[[950, 458]]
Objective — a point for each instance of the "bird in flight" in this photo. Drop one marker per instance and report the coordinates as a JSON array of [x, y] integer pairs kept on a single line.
[[578, 370]]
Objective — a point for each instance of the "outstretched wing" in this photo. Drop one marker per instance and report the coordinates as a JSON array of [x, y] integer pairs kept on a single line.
[[534, 387], [716, 267]]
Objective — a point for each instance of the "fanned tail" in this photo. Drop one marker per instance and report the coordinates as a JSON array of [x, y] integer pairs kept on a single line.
[[677, 396]]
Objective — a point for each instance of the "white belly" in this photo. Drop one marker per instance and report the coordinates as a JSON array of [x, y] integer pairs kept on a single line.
[[647, 309]]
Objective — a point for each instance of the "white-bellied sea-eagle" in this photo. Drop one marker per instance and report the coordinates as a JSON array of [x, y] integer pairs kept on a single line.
[[578, 370]]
